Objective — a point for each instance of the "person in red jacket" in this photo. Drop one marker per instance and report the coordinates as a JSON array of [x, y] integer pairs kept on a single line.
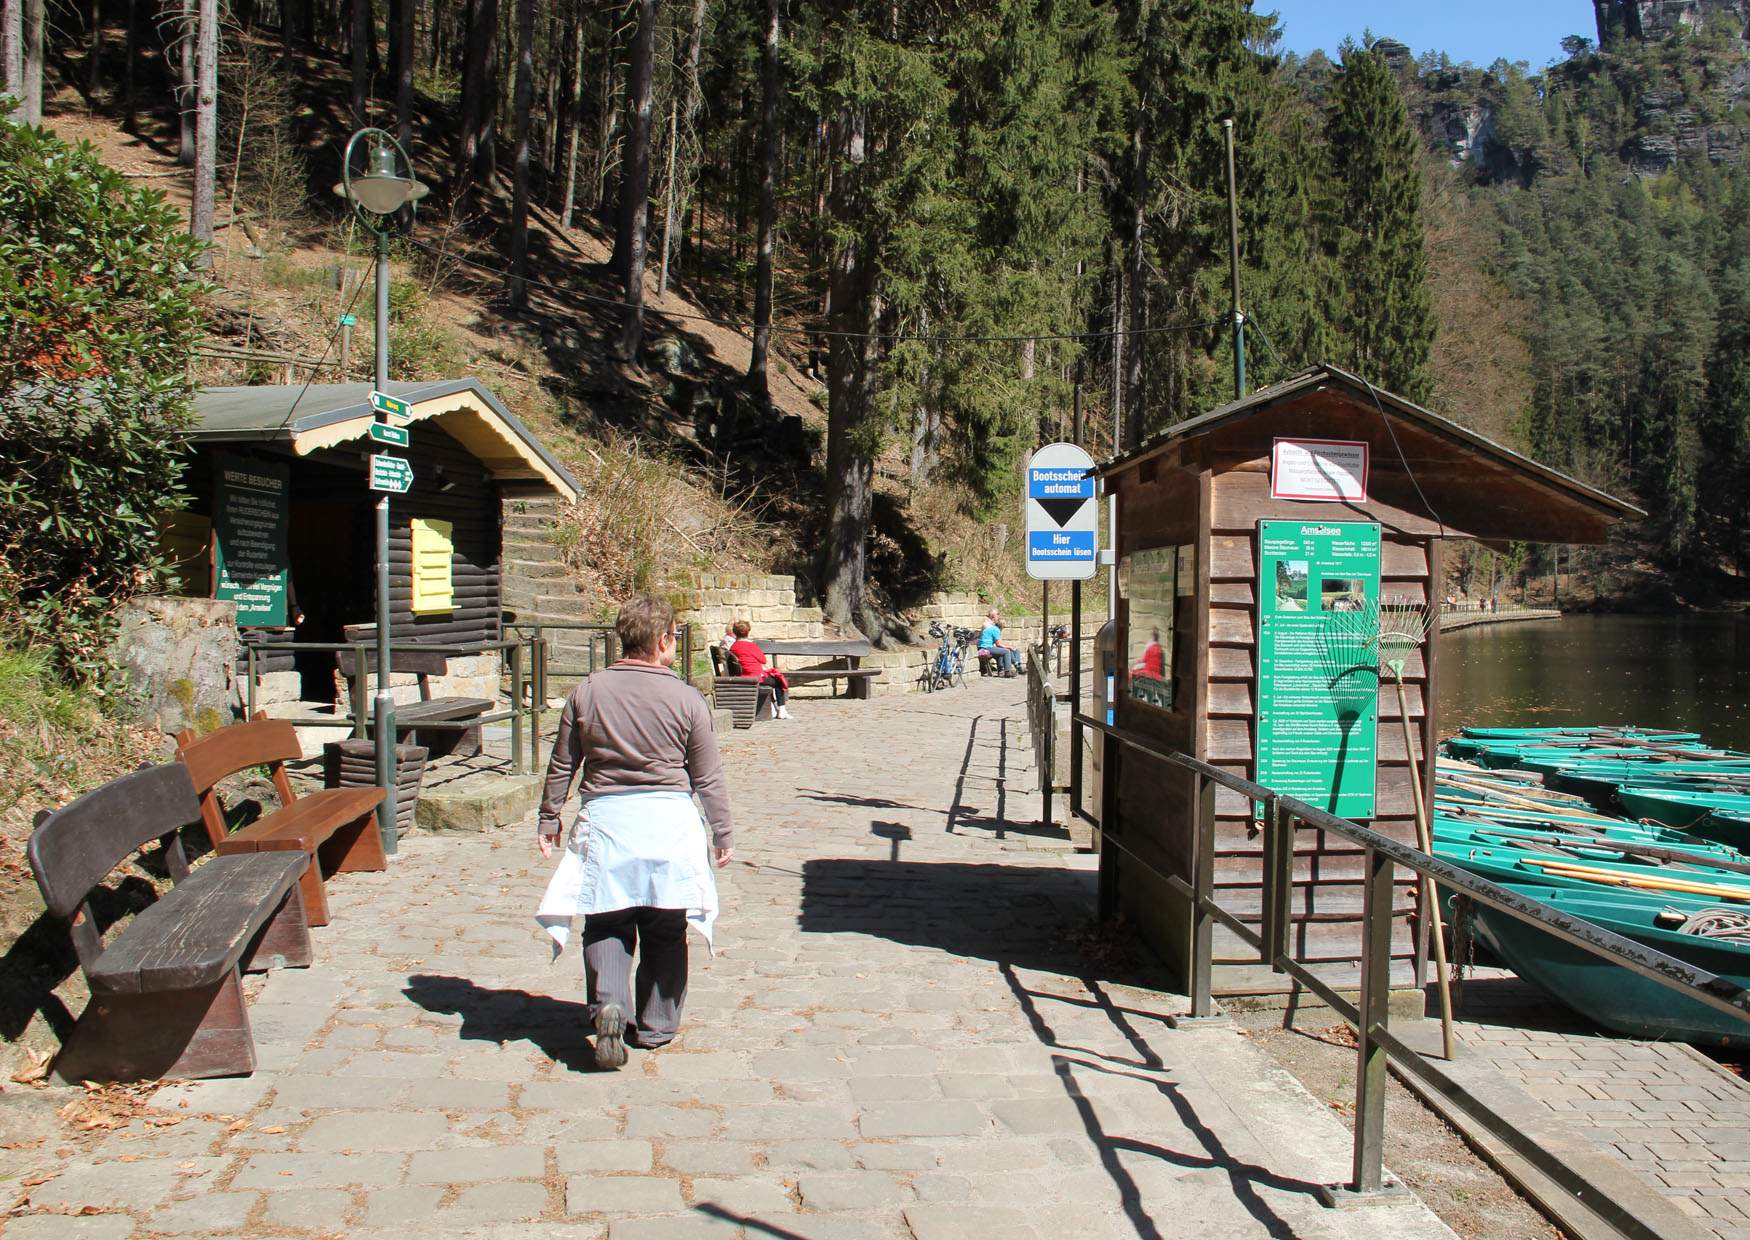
[[753, 663]]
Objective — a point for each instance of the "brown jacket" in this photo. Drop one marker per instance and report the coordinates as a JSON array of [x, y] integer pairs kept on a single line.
[[635, 727]]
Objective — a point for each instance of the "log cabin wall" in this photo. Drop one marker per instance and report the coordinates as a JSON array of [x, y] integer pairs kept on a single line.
[[449, 483], [1213, 497], [1159, 506], [1327, 901]]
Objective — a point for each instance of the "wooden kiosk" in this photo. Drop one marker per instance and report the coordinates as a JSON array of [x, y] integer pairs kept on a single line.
[[1235, 529]]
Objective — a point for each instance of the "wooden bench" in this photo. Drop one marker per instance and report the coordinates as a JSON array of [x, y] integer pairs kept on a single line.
[[333, 827], [744, 697], [413, 716], [849, 652], [166, 1000]]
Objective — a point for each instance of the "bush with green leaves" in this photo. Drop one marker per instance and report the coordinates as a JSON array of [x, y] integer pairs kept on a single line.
[[99, 308]]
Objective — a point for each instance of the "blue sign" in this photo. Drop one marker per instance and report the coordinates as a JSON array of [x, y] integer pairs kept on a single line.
[[1062, 546], [1049, 483]]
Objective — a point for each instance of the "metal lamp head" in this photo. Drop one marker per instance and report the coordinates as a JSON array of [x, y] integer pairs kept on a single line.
[[381, 189]]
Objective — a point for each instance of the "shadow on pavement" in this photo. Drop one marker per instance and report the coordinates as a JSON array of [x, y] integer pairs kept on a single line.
[[1008, 913], [1211, 1154], [556, 1026]]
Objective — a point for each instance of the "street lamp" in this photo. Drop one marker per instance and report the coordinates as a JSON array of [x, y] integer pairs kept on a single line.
[[382, 189]]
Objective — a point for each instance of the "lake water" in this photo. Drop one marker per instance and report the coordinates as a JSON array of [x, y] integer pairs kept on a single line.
[[1688, 672]]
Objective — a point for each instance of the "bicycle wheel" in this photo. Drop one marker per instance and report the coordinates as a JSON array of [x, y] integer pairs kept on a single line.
[[959, 679]]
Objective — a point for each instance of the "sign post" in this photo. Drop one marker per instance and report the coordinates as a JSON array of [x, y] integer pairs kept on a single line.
[[391, 473], [1063, 520], [1318, 687]]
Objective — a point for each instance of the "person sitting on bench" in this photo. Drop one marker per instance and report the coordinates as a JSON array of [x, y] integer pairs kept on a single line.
[[753, 663], [991, 641]]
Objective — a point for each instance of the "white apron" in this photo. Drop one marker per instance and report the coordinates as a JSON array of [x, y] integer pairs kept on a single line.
[[632, 850]]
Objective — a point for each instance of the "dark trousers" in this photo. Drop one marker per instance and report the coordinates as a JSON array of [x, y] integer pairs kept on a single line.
[[659, 936], [780, 692]]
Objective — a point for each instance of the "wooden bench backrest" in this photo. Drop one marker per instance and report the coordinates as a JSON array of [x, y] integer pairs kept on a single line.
[[260, 742], [74, 848], [421, 662]]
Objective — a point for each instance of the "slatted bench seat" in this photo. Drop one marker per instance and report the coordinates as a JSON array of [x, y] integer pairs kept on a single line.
[[334, 827], [166, 1000], [744, 697], [409, 716], [847, 653], [859, 678]]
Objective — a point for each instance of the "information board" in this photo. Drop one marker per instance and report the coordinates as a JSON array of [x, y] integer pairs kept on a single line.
[[1318, 672], [251, 520], [1327, 470], [1063, 518]]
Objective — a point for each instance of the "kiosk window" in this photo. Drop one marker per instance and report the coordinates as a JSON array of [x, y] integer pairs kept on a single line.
[[1151, 582]]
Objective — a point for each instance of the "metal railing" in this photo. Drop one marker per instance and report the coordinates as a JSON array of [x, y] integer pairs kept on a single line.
[[543, 669], [359, 716], [1281, 817], [1042, 722]]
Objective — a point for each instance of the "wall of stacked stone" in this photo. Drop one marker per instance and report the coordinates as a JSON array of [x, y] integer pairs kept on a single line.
[[712, 601]]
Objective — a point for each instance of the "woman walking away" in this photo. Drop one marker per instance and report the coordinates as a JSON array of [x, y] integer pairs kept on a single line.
[[636, 867], [747, 652]]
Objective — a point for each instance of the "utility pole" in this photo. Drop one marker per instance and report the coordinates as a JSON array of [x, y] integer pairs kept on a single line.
[[1233, 245]]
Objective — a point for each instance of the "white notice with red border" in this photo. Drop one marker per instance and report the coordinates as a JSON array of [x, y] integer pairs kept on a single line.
[[1331, 470]]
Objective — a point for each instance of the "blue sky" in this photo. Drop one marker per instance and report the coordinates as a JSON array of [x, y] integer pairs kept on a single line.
[[1478, 31]]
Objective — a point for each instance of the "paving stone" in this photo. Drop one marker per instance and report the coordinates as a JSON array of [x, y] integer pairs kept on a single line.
[[311, 1209], [408, 1204], [697, 1158], [312, 1093], [809, 1156], [470, 1166], [506, 1201], [126, 1185], [671, 1122], [363, 1131], [784, 1121], [950, 1222], [208, 1212], [64, 1227], [584, 1156], [849, 1190], [744, 1195], [279, 1171], [621, 1194], [678, 1227], [937, 1119]]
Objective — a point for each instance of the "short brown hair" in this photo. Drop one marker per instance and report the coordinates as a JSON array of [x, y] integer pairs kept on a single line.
[[741, 628], [641, 623]]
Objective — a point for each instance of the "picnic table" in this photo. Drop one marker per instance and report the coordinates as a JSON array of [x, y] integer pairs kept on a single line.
[[842, 657]]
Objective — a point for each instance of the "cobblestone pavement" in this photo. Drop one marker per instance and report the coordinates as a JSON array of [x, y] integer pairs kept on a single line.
[[1675, 1118], [896, 1039]]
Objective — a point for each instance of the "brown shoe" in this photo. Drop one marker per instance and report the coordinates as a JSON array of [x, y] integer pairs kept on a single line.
[[610, 1037]]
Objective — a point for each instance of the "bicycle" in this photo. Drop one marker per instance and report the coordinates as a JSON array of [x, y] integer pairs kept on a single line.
[[948, 668]]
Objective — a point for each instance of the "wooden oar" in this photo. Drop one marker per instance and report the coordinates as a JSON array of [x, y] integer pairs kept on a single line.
[[1524, 802], [1616, 878], [1652, 851]]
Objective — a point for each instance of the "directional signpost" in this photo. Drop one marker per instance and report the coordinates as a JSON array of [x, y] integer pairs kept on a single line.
[[384, 403], [1063, 520], [391, 473], [382, 432]]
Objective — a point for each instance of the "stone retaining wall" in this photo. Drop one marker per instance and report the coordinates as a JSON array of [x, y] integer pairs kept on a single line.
[[180, 656]]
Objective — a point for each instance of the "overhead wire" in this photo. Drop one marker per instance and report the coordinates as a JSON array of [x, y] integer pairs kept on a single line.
[[340, 326]]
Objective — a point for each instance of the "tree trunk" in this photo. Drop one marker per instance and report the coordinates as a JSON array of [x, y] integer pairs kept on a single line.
[[401, 39], [521, 107], [629, 243], [475, 161], [186, 96], [361, 73], [291, 26], [762, 286], [94, 62], [131, 54], [33, 61], [850, 434], [668, 203], [574, 121], [12, 51], [206, 124], [1135, 281], [682, 172]]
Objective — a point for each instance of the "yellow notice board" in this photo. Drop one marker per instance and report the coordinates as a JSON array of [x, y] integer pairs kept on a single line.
[[434, 545]]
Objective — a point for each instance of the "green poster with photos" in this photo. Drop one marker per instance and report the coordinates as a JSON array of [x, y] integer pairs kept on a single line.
[[1318, 676]]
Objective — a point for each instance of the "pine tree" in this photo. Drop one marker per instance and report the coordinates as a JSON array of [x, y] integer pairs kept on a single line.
[[1386, 320]]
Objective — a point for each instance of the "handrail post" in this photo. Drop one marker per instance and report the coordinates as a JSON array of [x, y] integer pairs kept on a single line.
[[1270, 878], [1075, 700], [249, 671], [1374, 1010], [1202, 924], [1283, 912], [516, 713], [687, 651], [359, 729], [537, 695]]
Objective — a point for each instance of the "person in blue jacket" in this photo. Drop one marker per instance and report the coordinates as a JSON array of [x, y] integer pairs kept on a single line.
[[991, 639]]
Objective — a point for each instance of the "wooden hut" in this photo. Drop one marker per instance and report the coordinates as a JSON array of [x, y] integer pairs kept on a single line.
[[1198, 660], [282, 520]]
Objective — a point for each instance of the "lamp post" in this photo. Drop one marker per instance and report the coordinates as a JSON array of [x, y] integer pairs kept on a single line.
[[377, 193]]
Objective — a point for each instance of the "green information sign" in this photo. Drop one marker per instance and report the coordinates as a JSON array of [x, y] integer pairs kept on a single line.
[[251, 519], [1318, 677]]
